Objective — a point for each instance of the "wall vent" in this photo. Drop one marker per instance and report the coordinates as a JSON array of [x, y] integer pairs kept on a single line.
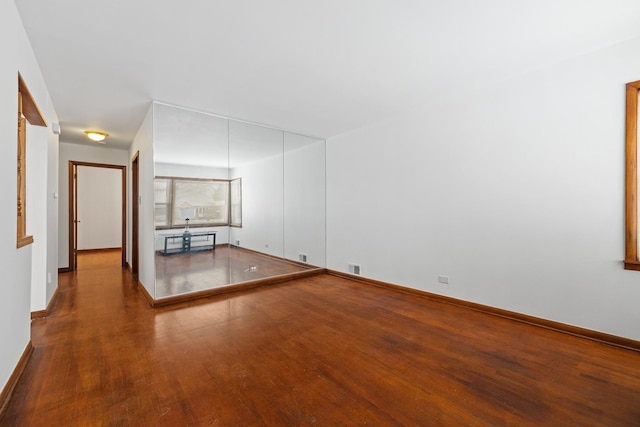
[[237, 242], [354, 269], [302, 257]]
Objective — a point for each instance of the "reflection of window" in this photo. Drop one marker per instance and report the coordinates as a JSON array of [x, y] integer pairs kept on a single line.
[[204, 201], [235, 196], [162, 197]]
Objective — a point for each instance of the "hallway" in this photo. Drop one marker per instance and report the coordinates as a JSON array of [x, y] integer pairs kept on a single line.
[[317, 351]]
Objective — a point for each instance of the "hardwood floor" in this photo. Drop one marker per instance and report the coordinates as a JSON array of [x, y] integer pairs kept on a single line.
[[317, 351], [191, 272]]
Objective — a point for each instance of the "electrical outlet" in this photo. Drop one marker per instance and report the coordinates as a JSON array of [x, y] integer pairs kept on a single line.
[[443, 279], [302, 257]]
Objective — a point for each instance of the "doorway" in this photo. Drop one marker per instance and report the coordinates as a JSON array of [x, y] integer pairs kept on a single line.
[[87, 187]]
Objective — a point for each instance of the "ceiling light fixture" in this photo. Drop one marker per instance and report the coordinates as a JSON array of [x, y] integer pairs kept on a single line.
[[96, 136]]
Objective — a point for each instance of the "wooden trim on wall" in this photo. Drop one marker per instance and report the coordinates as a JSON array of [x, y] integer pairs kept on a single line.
[[45, 313], [123, 255], [64, 270], [24, 241], [72, 215], [589, 334], [8, 389], [632, 265], [22, 238], [631, 261], [39, 314], [30, 109], [145, 293], [97, 165], [135, 213]]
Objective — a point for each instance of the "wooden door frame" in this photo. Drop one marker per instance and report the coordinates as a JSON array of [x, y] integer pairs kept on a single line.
[[73, 209], [631, 256], [135, 213]]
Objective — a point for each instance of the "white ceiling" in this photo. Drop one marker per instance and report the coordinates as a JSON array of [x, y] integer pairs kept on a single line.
[[319, 68]]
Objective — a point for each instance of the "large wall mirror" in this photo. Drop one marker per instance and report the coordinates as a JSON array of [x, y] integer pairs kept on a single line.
[[234, 202]]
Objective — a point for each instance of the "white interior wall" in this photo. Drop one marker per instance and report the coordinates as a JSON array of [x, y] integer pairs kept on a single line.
[[99, 208], [37, 151], [80, 153], [143, 145], [304, 198], [17, 264], [52, 196], [515, 191]]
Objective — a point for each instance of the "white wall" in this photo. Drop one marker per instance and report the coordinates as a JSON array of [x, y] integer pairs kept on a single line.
[[143, 144], [80, 153], [99, 208], [304, 198], [37, 152], [516, 192], [42, 152], [17, 264], [52, 196]]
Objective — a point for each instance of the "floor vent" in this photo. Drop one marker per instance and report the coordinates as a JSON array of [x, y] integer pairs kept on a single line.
[[354, 269]]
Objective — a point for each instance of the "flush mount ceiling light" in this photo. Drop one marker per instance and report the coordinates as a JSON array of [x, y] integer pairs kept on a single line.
[[96, 136]]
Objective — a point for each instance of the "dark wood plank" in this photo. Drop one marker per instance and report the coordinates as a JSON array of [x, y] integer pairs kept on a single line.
[[322, 350], [600, 337]]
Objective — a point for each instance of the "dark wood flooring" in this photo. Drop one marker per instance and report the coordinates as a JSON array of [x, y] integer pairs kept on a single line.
[[318, 351], [196, 271]]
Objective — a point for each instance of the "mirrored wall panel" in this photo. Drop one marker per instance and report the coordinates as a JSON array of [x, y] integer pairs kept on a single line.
[[191, 197], [235, 202], [256, 158]]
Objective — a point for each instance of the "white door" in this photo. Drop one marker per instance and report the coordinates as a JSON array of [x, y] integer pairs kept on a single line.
[[99, 203]]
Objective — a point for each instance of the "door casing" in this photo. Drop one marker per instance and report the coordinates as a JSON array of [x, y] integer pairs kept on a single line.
[[73, 210]]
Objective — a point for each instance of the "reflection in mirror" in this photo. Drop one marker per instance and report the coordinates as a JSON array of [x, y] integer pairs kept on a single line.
[[191, 207], [255, 156], [235, 202], [256, 159]]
